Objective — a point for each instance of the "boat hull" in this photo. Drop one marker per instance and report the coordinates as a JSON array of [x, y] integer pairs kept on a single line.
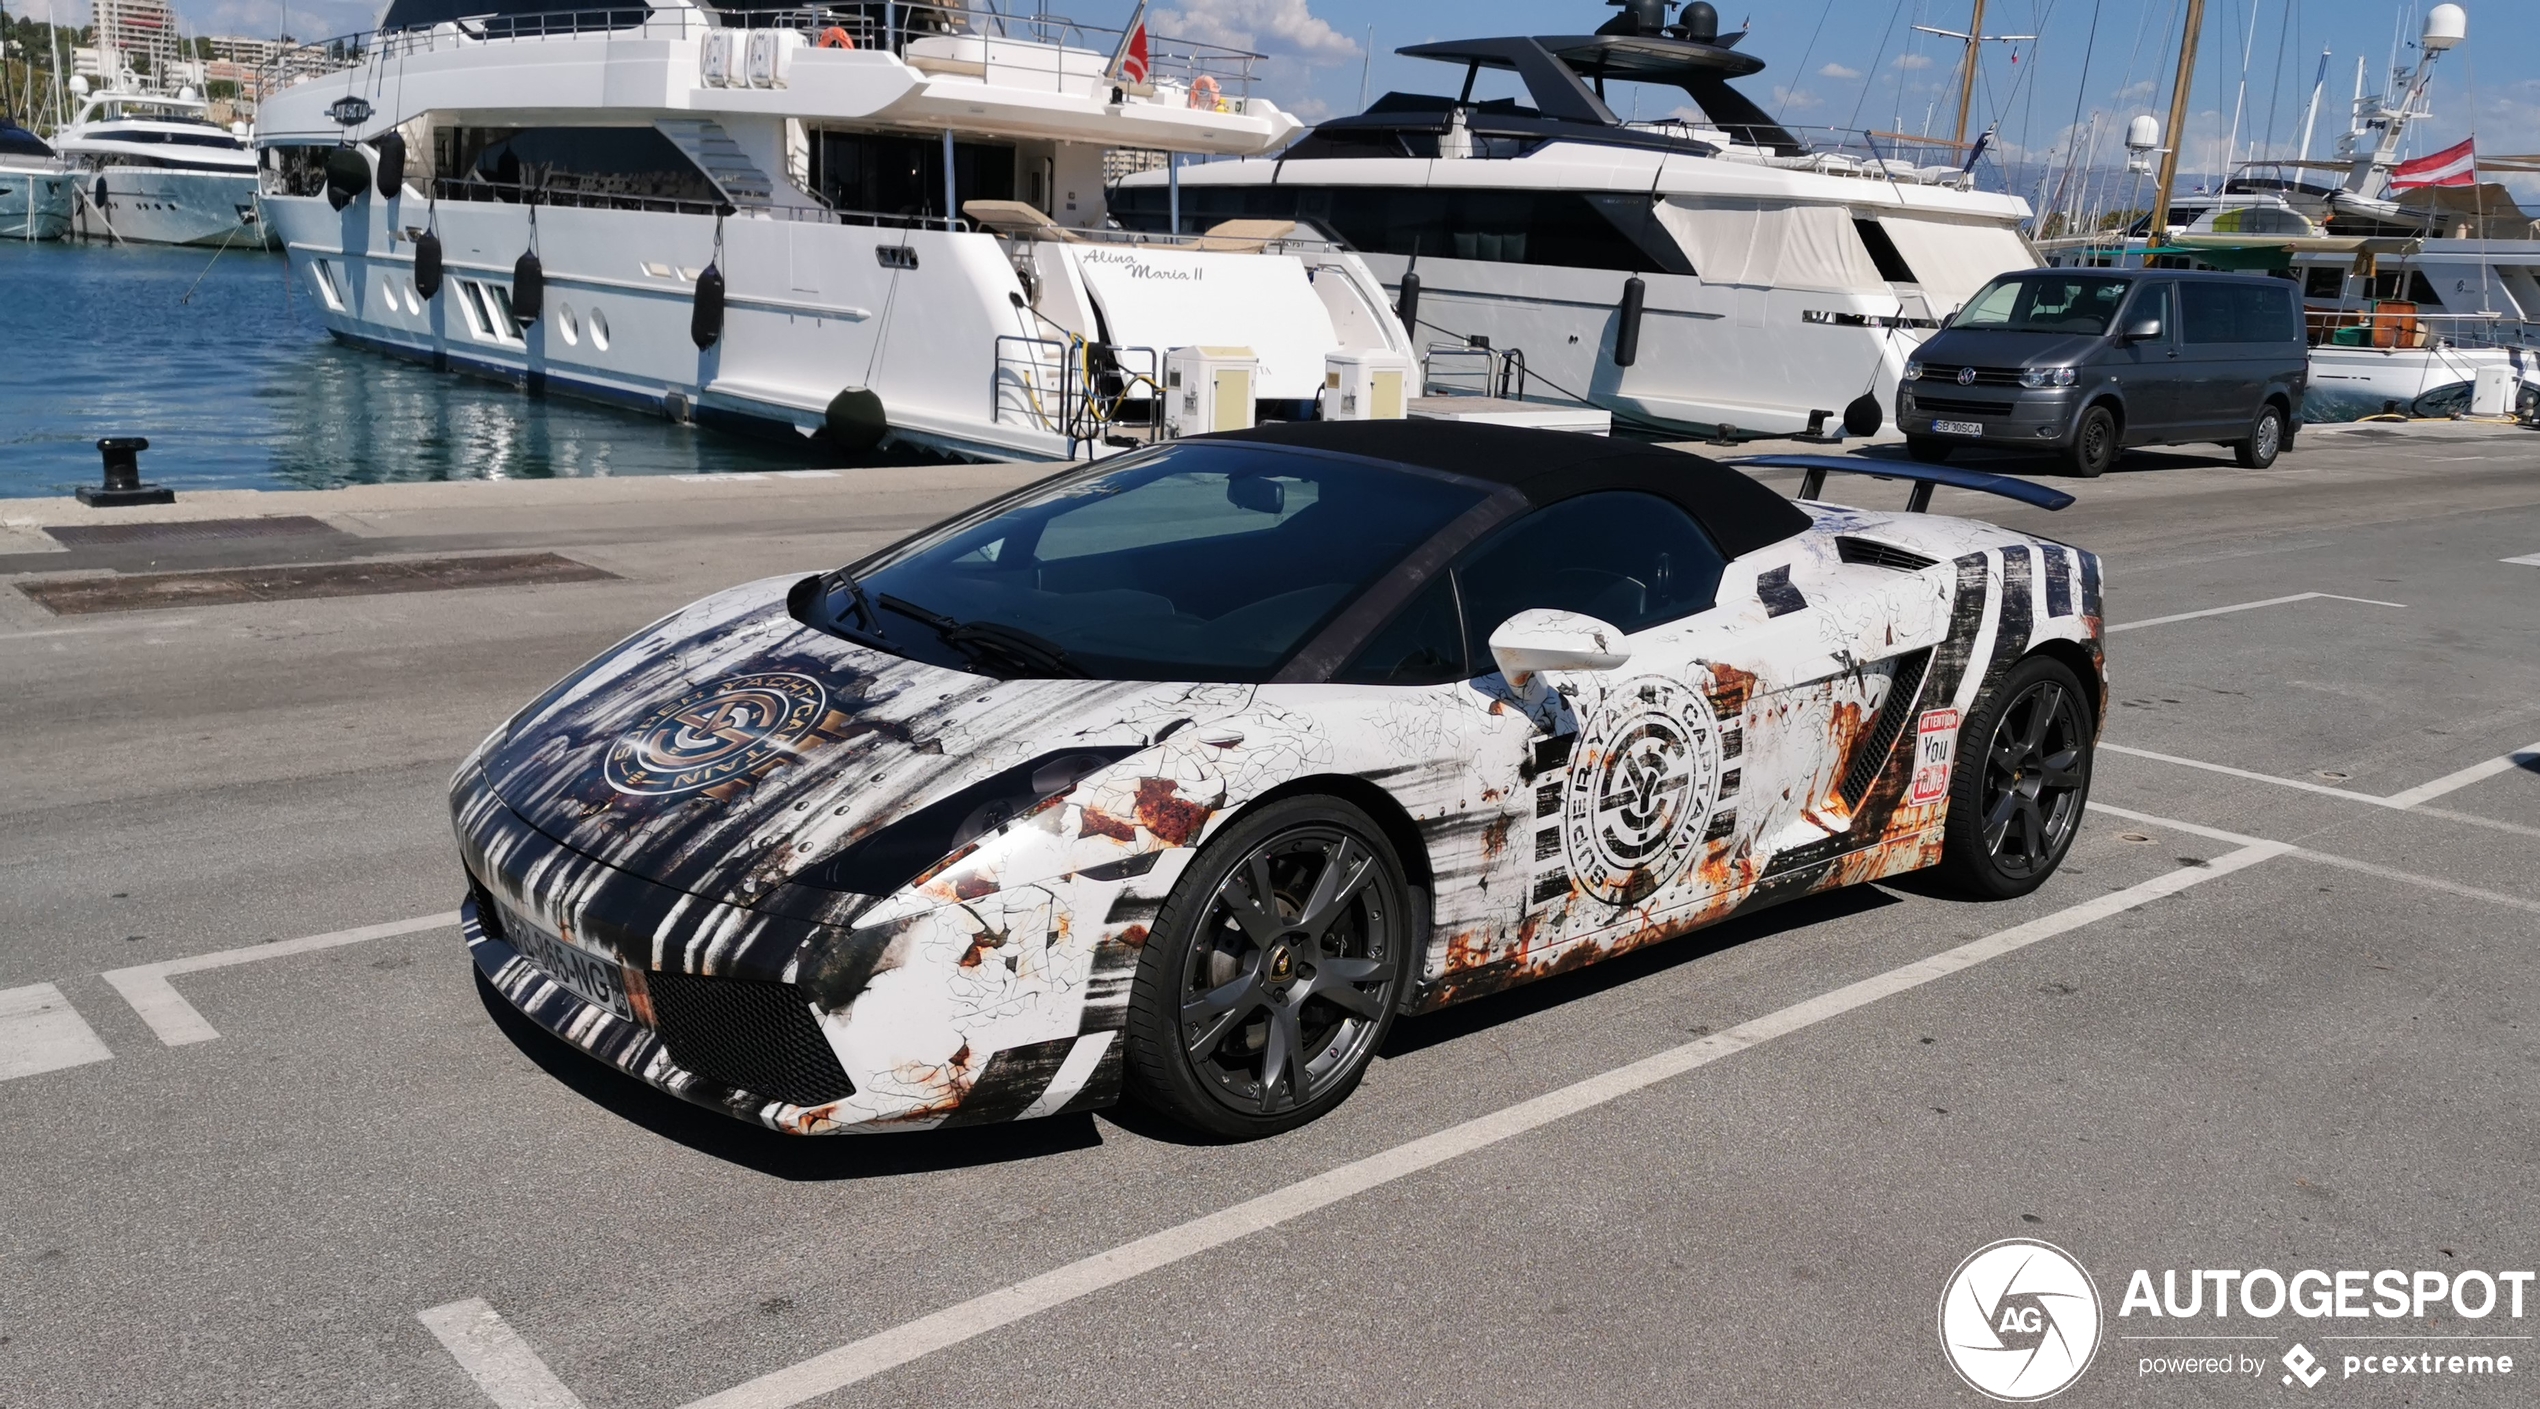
[[148, 205], [2350, 383], [35, 205]]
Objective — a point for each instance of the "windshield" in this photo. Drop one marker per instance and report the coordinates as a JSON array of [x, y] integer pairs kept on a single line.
[[1198, 561], [2045, 303]]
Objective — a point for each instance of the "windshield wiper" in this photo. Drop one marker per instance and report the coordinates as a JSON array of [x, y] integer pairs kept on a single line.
[[992, 645], [844, 581]]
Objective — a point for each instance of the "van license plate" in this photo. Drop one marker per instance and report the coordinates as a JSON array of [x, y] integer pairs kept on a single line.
[[1958, 427]]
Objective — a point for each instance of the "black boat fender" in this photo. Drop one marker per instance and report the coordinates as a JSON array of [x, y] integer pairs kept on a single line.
[[1627, 321], [705, 316], [529, 289], [347, 176], [391, 147], [855, 421], [428, 264]]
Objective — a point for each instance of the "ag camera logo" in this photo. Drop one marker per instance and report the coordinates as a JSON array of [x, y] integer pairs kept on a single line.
[[2019, 1320]]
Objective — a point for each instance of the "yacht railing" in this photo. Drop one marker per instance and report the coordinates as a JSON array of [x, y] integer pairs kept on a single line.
[[1844, 151], [949, 37], [1068, 386], [461, 188], [2388, 328]]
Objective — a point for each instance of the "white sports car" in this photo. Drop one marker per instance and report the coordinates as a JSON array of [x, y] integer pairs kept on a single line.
[[1182, 774]]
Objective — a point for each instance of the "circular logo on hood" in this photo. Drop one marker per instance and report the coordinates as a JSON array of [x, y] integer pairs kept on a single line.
[[715, 733]]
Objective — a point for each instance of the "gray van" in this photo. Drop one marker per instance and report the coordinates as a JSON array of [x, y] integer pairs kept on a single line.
[[2088, 361]]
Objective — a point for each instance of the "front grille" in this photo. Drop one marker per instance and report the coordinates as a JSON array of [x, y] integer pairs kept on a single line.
[[1931, 405], [755, 1036], [1985, 376], [1893, 712], [1871, 553]]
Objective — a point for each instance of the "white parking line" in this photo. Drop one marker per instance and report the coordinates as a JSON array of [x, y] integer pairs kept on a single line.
[[2529, 560], [494, 1355], [886, 1350], [2406, 801], [146, 986], [2387, 873], [41, 1031], [2250, 607]]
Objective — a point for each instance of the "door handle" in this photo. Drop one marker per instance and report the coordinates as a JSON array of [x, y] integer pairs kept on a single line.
[[2173, 354]]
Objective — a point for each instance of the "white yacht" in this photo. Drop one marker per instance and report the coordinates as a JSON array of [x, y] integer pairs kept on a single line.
[[878, 223], [2409, 292], [1723, 276], [154, 169], [35, 187]]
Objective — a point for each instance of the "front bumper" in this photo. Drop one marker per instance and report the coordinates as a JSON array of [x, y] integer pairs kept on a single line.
[[2032, 419]]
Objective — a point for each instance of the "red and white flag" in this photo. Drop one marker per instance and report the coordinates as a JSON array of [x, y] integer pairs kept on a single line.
[[2452, 166], [1130, 64]]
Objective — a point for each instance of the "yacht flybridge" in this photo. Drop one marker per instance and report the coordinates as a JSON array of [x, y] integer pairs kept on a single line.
[[875, 222], [1729, 272]]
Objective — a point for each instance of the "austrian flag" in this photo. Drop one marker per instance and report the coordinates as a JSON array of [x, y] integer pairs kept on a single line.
[[2452, 166]]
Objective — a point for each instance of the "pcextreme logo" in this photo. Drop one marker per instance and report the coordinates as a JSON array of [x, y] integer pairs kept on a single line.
[[2019, 1320]]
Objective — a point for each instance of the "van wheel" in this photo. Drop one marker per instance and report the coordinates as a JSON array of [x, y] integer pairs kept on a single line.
[[2094, 446], [2266, 439], [1926, 449]]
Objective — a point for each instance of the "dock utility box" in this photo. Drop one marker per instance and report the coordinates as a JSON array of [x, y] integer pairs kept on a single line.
[[1366, 384], [1208, 389]]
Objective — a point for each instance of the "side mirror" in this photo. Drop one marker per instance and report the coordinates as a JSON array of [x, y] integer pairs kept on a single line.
[[2141, 330], [1540, 639]]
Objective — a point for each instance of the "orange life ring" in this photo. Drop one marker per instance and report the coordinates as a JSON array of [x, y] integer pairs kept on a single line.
[[1207, 85], [835, 38]]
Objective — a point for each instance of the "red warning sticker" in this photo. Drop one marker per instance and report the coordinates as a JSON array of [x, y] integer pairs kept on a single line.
[[1935, 749]]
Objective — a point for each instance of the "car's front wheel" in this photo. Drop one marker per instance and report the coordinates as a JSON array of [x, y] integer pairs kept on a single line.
[[2266, 439], [1272, 971], [2020, 782], [2095, 443]]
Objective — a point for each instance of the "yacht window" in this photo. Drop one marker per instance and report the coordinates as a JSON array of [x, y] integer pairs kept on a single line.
[[16, 141], [2408, 285], [1892, 266], [876, 174], [324, 276], [1567, 228], [2323, 282], [599, 163]]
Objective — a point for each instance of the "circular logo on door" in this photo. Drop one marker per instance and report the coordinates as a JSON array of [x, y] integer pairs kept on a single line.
[[715, 733], [2019, 1320], [1643, 777]]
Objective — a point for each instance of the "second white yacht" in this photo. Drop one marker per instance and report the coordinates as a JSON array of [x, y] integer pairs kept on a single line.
[[35, 187], [877, 224], [154, 169], [1722, 277]]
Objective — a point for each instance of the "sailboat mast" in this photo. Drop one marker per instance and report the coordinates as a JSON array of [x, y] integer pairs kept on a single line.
[[1967, 80], [2311, 113], [2178, 117]]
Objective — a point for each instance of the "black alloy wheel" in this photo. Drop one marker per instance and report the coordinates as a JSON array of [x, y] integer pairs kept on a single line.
[[1273, 971], [2095, 445], [2021, 780], [2265, 442], [1927, 449]]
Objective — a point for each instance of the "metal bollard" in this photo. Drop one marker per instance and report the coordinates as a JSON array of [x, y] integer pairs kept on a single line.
[[123, 487]]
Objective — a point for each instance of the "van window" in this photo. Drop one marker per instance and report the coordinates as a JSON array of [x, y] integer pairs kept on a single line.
[[2042, 303], [2215, 312]]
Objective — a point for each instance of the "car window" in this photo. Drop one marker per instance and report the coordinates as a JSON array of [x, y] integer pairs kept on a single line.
[[2207, 312], [1632, 559], [1423, 645], [1198, 561], [2045, 303], [2264, 313], [2153, 302]]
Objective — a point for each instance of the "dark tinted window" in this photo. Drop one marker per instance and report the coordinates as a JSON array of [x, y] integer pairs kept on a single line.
[[1631, 559], [2217, 312], [1884, 254], [16, 141], [2323, 282], [605, 161], [1510, 227], [2153, 303], [1422, 646], [2044, 303], [885, 175], [2205, 313], [1201, 561]]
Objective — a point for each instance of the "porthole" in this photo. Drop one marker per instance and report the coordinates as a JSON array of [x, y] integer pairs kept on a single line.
[[568, 325], [599, 330]]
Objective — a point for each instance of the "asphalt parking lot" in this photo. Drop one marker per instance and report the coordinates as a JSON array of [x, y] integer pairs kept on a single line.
[[267, 1146]]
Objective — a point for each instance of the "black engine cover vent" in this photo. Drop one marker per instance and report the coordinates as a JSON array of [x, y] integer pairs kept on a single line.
[[1872, 553]]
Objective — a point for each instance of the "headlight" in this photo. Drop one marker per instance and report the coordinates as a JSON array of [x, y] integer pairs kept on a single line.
[[2046, 376], [1913, 371]]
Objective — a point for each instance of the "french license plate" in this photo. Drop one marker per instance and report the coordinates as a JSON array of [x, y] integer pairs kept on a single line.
[[588, 976], [1958, 427]]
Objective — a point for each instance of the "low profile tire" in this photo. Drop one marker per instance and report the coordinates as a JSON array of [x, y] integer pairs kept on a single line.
[[2020, 783], [1926, 449], [1272, 972], [2265, 442], [2094, 446]]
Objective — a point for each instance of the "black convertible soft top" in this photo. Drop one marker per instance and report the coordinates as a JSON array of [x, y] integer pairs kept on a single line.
[[1740, 514]]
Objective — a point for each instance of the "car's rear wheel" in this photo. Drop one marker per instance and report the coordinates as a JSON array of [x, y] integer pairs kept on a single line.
[[2095, 444], [1927, 449], [2020, 782], [1272, 972], [2266, 439]]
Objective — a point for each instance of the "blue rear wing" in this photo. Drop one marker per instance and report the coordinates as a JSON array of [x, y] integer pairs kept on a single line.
[[1924, 477]]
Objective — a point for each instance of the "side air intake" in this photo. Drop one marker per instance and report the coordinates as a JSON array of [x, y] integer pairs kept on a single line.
[[754, 1036], [1871, 553], [1881, 740]]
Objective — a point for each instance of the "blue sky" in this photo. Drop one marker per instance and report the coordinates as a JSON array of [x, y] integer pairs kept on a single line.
[[1845, 63]]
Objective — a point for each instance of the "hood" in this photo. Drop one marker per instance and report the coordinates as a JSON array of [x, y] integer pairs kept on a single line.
[[733, 753], [1988, 347]]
